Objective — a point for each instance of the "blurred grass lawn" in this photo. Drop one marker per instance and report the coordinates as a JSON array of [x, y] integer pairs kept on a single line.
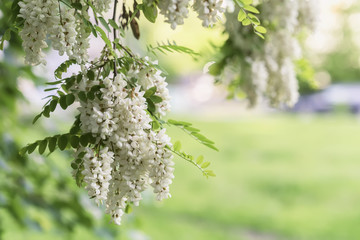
[[279, 177]]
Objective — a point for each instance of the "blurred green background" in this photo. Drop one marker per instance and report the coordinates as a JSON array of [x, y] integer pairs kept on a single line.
[[279, 175]]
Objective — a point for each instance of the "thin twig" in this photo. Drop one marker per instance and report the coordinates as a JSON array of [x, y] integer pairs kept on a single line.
[[61, 22], [114, 31], [187, 159]]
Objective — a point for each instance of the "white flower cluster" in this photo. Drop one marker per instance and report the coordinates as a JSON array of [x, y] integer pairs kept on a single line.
[[208, 11], [97, 172], [272, 71], [44, 18], [63, 35], [101, 5], [80, 51], [175, 11], [150, 77], [36, 14], [128, 156]]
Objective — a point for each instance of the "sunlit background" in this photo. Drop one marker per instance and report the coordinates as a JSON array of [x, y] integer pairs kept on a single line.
[[281, 174]]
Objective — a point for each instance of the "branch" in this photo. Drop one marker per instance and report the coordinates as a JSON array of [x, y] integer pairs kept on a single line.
[[114, 30]]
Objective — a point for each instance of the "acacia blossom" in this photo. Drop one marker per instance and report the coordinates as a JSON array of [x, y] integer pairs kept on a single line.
[[208, 11], [269, 71], [65, 30], [132, 155]]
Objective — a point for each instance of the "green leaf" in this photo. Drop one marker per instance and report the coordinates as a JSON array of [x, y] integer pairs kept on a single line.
[[90, 95], [211, 146], [200, 159], [62, 69], [6, 37], [241, 15], [32, 147], [128, 209], [151, 106], [150, 92], [42, 146], [23, 151], [55, 82], [77, 5], [260, 35], [74, 166], [251, 9], [93, 30], [247, 2], [84, 140], [105, 24], [46, 111], [36, 118], [260, 29], [74, 141], [246, 22], [156, 99], [191, 129], [62, 102], [210, 173], [178, 123], [82, 96], [52, 144], [63, 87], [53, 105], [50, 89], [78, 78], [205, 165], [155, 125], [70, 98], [79, 177], [78, 161], [75, 128], [106, 39], [92, 139], [255, 20], [81, 155], [202, 138], [91, 75], [150, 12], [170, 47], [70, 82], [177, 146], [62, 142], [113, 24]]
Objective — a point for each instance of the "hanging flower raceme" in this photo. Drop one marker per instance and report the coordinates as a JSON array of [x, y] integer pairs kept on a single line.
[[101, 5], [37, 14], [209, 11], [268, 70], [175, 11], [127, 155], [62, 25]]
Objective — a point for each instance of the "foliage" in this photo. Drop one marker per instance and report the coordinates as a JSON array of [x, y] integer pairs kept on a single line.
[[246, 16]]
